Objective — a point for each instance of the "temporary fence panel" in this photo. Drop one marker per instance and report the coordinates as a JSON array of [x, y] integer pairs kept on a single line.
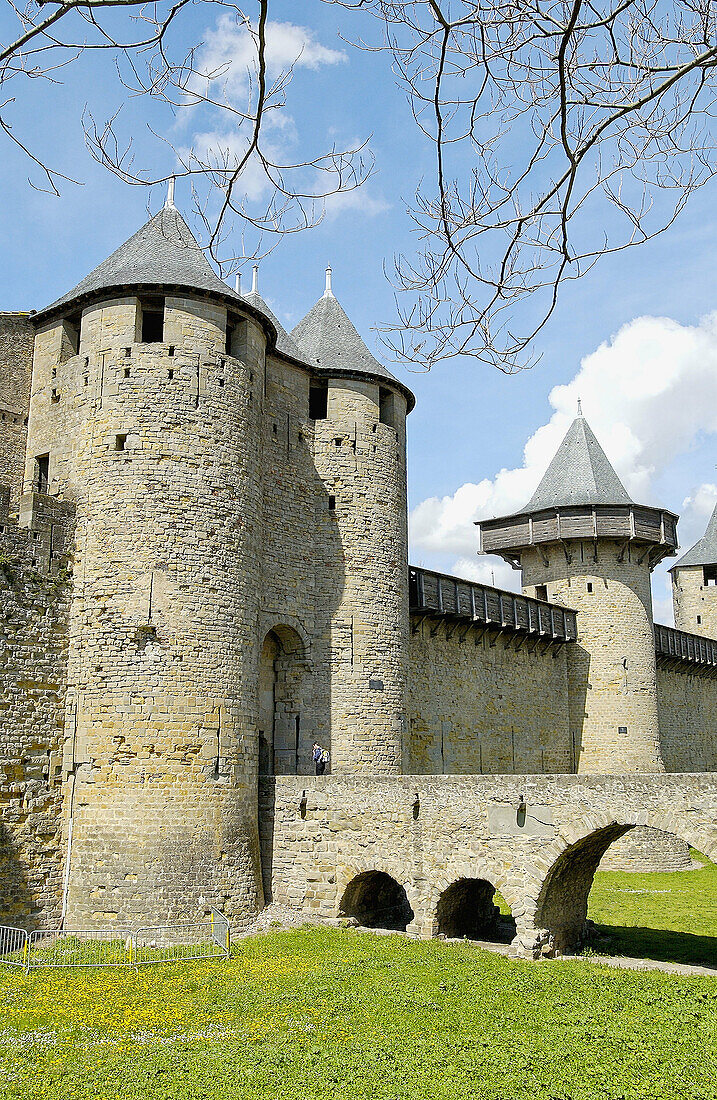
[[81, 947], [172, 943], [13, 946]]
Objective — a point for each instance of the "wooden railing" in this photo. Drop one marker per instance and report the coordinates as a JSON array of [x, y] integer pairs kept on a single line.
[[437, 594], [679, 646]]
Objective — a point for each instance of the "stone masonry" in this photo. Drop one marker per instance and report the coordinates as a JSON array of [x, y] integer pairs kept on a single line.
[[203, 571]]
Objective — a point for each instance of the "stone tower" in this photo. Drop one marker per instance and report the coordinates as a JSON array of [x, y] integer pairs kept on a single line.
[[694, 585], [359, 413], [582, 542], [145, 410]]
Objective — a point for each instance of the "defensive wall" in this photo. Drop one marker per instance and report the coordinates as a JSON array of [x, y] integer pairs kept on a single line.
[[491, 675], [537, 839]]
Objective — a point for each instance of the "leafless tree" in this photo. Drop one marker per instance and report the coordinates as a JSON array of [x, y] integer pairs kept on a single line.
[[155, 56], [563, 130]]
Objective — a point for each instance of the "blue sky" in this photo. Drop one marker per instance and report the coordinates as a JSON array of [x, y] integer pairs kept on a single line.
[[633, 339]]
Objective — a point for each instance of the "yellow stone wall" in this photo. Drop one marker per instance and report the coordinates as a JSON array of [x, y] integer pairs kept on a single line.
[[478, 704], [611, 668], [695, 602]]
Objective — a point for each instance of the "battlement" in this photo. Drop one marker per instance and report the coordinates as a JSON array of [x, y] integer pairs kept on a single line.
[[676, 648], [439, 595]]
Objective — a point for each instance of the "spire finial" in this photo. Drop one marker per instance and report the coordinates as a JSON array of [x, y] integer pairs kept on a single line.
[[255, 279], [328, 293], [237, 282], [169, 204], [580, 407]]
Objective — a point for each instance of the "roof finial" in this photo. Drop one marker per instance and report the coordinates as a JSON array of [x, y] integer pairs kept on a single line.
[[169, 204], [237, 282], [328, 293], [255, 279], [580, 407]]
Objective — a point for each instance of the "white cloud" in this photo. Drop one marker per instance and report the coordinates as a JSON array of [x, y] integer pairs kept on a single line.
[[359, 200], [228, 59], [488, 570], [648, 394]]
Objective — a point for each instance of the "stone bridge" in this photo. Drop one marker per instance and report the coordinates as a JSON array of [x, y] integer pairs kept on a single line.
[[538, 839]]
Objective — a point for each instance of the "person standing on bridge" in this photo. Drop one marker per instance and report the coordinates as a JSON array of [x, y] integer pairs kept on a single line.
[[321, 758]]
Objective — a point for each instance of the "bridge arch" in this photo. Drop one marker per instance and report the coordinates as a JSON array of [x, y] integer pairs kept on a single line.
[[376, 899], [562, 902]]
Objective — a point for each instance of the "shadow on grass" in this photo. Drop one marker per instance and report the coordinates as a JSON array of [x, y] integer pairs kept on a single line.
[[655, 943]]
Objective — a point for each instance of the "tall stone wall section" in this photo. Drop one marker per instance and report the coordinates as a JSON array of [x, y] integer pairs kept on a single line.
[[477, 704], [35, 586], [363, 574], [612, 674], [16, 343], [695, 602], [687, 703], [158, 446]]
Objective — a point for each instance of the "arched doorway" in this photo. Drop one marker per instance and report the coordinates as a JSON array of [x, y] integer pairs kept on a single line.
[[467, 910], [377, 900], [283, 743]]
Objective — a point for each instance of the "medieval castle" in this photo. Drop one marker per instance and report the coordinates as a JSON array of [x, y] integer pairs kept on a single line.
[[203, 571]]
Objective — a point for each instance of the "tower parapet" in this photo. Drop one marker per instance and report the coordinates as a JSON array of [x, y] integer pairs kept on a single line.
[[694, 585], [582, 542]]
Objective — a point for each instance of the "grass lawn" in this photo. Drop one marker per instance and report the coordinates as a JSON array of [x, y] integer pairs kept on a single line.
[[318, 1014], [663, 916]]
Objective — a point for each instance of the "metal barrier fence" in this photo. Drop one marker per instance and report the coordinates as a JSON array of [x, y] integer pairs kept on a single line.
[[166, 943]]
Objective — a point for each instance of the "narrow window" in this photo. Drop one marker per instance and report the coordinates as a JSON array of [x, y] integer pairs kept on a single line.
[[710, 574], [170, 374], [42, 473], [55, 396], [699, 620], [152, 320], [590, 586], [70, 336], [120, 441], [318, 401], [386, 407], [541, 592], [332, 504], [126, 372], [229, 340]]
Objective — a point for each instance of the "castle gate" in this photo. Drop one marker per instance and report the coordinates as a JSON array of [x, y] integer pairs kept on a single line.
[[537, 839]]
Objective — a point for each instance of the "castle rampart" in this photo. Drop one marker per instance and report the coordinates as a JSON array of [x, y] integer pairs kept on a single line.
[[16, 344]]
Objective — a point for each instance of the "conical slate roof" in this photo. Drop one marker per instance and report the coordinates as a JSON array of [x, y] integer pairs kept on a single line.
[[328, 338], [163, 252], [580, 473], [285, 343], [704, 552]]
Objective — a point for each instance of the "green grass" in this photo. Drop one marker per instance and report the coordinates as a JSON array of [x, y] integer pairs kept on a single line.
[[320, 1014], [671, 917]]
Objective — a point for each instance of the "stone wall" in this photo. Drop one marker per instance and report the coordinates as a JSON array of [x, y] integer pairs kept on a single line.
[[477, 703], [16, 341], [34, 601], [538, 839], [695, 602], [687, 704], [611, 668]]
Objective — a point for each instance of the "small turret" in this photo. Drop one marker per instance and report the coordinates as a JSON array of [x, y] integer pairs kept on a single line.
[[582, 542], [694, 585]]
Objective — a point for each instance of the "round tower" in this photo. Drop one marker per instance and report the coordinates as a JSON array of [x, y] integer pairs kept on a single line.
[[583, 543], [694, 585], [359, 412], [146, 399]]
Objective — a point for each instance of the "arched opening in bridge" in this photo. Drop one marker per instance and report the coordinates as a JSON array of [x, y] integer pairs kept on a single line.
[[377, 900], [665, 915], [470, 909]]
